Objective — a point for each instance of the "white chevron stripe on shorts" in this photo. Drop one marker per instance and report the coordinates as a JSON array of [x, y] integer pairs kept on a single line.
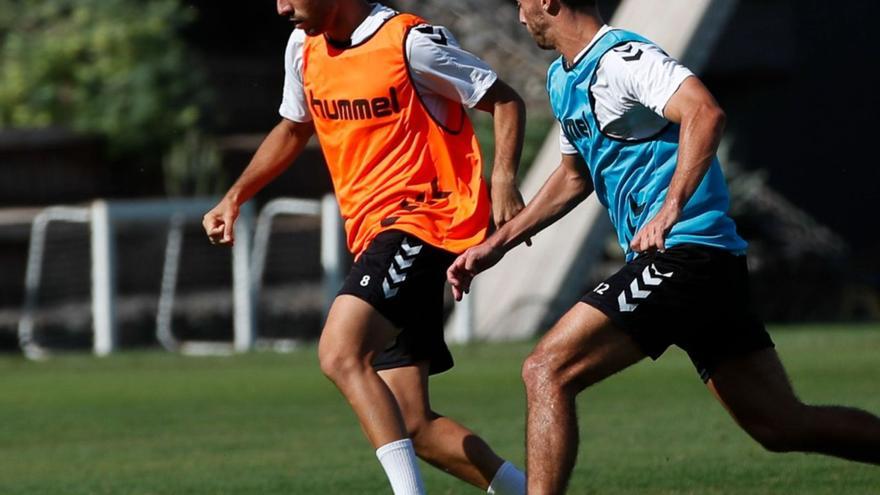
[[637, 293], [410, 250], [388, 290], [405, 257]]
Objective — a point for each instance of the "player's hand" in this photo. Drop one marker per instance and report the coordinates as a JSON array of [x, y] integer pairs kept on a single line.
[[473, 261], [219, 222], [507, 202], [652, 236]]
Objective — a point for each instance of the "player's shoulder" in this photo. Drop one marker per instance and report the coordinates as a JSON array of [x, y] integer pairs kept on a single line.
[[427, 35], [631, 54]]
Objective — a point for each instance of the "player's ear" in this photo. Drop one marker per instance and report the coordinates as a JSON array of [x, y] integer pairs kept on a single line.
[[551, 6]]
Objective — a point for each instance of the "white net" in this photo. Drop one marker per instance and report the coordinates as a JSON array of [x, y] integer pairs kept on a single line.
[[290, 299], [61, 302]]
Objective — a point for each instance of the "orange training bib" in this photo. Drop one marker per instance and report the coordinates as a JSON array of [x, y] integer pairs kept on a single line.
[[393, 166]]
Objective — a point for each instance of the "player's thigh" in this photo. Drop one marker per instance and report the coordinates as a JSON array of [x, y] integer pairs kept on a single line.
[[582, 348], [754, 388], [354, 328]]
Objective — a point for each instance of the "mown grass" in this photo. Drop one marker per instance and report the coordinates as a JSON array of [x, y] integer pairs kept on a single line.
[[156, 423]]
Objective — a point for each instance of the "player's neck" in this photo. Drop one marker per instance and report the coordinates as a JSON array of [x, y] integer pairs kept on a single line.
[[576, 32], [348, 19]]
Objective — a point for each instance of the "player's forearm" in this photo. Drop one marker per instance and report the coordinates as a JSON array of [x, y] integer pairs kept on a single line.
[[509, 127], [280, 147], [564, 190], [699, 138], [509, 117]]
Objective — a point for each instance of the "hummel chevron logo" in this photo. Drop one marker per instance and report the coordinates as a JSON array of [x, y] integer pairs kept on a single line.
[[625, 306], [628, 49], [649, 279], [431, 30], [634, 57], [657, 272], [410, 250], [630, 225], [388, 290], [404, 263], [404, 259], [396, 277], [636, 292], [634, 211], [436, 193], [636, 208]]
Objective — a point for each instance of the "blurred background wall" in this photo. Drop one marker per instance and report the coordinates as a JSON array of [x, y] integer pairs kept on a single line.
[[124, 99]]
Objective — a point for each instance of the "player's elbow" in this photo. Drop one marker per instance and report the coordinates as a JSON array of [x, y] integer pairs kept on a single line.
[[500, 96], [578, 186], [517, 102], [716, 117], [709, 115]]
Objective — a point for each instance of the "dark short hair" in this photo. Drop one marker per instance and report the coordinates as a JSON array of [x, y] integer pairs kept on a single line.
[[579, 4]]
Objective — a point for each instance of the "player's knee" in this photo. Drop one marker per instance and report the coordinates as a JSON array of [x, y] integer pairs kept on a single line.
[[776, 435], [539, 372], [774, 439], [416, 426], [785, 429], [338, 365]]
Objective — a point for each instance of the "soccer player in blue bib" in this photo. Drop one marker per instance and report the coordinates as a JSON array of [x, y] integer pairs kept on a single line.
[[641, 131]]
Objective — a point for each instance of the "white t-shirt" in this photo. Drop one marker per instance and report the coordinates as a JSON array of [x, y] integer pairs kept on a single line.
[[440, 68], [630, 95]]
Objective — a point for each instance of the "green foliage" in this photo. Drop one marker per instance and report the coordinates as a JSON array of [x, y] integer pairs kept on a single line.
[[116, 68], [537, 126], [192, 167]]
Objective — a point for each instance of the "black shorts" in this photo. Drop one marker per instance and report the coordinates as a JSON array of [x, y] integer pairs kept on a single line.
[[695, 297], [404, 279]]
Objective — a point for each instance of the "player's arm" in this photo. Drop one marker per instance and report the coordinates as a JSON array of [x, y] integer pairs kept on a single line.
[[509, 121], [566, 187], [280, 147], [441, 67], [702, 124]]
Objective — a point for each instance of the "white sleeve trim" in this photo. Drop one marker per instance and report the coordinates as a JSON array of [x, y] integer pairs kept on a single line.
[[662, 99], [565, 145], [441, 67], [293, 102]]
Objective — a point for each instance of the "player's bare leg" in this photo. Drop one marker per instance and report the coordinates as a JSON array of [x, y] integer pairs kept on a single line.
[[438, 440], [756, 391], [353, 334], [581, 349]]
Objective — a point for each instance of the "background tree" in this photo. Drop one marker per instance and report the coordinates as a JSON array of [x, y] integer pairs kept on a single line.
[[114, 68]]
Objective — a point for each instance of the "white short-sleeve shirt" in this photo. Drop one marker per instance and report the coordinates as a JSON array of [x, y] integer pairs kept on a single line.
[[630, 96], [440, 68]]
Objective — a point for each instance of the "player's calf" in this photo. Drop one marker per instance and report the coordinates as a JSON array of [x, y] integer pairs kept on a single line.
[[832, 430], [778, 434]]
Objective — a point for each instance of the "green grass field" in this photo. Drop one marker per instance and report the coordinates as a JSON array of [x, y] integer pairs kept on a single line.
[[156, 423]]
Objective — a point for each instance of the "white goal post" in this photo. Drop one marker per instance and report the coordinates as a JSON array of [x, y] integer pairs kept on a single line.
[[103, 217]]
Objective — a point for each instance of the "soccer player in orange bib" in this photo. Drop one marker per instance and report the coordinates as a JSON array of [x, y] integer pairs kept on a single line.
[[386, 92]]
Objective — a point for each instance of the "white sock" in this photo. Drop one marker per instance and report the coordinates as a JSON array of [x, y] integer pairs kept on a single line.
[[508, 481], [400, 464]]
